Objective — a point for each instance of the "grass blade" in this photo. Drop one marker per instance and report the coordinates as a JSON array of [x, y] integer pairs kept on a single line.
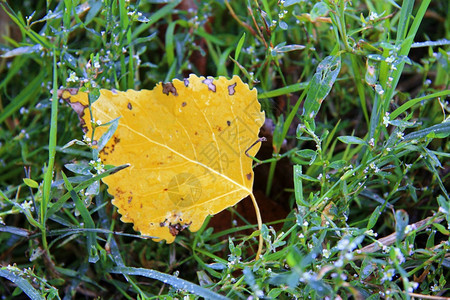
[[169, 279], [439, 130], [413, 102], [87, 220], [28, 93], [22, 283]]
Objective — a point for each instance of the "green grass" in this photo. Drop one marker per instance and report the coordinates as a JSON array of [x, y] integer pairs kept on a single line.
[[358, 95]]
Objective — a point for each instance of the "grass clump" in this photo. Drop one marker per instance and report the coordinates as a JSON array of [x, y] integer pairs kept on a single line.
[[356, 162]]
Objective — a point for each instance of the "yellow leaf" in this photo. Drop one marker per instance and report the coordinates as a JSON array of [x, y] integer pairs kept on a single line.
[[185, 142]]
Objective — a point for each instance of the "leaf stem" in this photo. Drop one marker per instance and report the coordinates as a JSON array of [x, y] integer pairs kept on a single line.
[[259, 220]]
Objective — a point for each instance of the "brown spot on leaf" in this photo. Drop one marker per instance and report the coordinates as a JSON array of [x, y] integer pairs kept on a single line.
[[231, 89], [183, 104], [110, 149], [186, 82], [76, 106], [129, 106], [210, 84], [175, 229], [130, 198], [249, 176], [169, 88], [228, 122], [105, 150], [72, 91], [118, 193]]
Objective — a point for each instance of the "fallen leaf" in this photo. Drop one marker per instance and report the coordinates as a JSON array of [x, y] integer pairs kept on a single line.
[[185, 142]]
